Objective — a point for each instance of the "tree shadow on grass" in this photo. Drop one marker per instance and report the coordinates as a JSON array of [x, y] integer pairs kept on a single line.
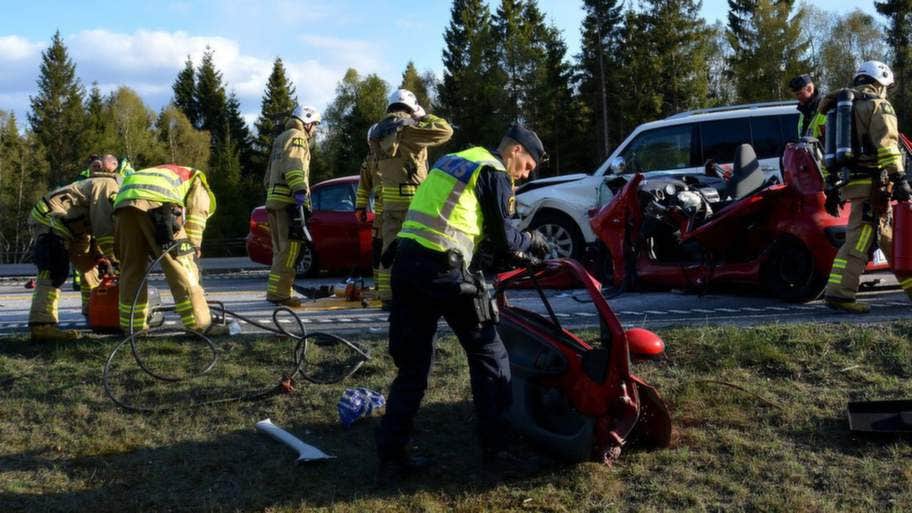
[[246, 471]]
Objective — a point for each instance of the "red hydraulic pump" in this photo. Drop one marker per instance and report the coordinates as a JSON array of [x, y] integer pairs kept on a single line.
[[103, 309]]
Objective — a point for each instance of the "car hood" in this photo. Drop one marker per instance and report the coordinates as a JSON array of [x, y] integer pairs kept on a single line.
[[545, 182]]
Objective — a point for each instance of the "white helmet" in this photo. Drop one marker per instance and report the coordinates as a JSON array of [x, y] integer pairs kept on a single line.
[[404, 97], [306, 114], [876, 70]]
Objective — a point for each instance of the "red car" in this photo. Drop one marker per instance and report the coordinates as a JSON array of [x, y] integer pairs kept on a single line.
[[340, 241]]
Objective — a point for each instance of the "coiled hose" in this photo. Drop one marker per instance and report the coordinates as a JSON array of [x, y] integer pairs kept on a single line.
[[302, 342]]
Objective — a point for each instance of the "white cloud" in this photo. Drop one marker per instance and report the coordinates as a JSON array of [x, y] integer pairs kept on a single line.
[[148, 62]]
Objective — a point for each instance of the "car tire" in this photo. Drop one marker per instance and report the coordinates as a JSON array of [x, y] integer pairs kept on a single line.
[[563, 234], [307, 262], [790, 273]]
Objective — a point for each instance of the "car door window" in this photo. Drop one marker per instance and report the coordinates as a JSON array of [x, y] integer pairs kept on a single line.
[[720, 138], [767, 137], [335, 198], [660, 149]]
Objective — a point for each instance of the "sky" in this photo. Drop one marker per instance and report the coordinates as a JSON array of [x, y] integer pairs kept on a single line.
[[143, 44]]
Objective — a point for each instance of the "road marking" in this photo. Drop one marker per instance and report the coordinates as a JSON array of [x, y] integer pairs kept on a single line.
[[655, 312], [726, 310]]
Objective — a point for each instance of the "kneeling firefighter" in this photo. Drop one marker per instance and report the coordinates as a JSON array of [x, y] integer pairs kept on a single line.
[[71, 224], [157, 208], [467, 197], [866, 170]]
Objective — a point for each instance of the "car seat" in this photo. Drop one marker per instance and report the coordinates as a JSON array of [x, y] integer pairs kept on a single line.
[[747, 177]]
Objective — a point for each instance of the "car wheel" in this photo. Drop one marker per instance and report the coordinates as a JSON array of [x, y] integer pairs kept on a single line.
[[563, 234], [790, 273], [307, 262]]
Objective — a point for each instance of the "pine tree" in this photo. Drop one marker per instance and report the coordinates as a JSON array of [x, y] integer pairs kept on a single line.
[[597, 74], [472, 95], [184, 88], [210, 98], [278, 101], [768, 49], [224, 176], [240, 136], [518, 55], [95, 121], [57, 116], [899, 39], [22, 182], [419, 85]]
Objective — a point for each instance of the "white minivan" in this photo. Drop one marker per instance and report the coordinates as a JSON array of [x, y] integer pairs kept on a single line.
[[681, 144]]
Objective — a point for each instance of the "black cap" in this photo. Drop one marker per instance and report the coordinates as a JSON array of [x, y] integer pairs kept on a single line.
[[797, 83], [530, 141]]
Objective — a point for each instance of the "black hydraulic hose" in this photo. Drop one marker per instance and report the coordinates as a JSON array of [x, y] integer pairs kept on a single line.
[[300, 350]]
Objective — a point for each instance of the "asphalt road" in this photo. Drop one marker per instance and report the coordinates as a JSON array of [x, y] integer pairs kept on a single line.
[[244, 293]]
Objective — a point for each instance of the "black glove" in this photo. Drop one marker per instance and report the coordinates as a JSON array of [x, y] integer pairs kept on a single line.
[[104, 266], [539, 246], [901, 189], [833, 201], [523, 259]]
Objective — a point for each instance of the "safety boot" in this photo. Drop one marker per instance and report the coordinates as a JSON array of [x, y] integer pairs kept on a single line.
[[217, 330], [290, 302], [395, 469], [52, 333], [847, 305]]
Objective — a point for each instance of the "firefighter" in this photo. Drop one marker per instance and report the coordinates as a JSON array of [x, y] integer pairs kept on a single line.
[[877, 165], [71, 224], [810, 121], [467, 197], [287, 183], [111, 164], [369, 185], [157, 208], [399, 143]]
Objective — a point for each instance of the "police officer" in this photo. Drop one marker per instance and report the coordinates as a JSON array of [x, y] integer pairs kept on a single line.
[[71, 224], [157, 208], [399, 143], [467, 197], [877, 159], [369, 185], [810, 121], [287, 183]]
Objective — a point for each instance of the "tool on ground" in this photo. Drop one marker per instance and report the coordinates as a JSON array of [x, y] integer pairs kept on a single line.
[[891, 416], [305, 451], [579, 400]]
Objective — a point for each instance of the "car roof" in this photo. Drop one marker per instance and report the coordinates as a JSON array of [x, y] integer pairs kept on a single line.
[[341, 179], [735, 111]]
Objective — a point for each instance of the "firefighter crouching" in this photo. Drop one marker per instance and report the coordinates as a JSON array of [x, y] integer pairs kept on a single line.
[[155, 208], [865, 165], [287, 183], [70, 224]]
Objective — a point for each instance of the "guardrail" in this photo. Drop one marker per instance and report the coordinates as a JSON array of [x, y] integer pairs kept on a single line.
[[230, 247]]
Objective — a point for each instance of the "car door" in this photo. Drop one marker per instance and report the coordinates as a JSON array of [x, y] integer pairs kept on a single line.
[[669, 149], [334, 227]]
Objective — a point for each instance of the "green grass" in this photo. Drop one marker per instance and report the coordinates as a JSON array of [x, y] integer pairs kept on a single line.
[[64, 446]]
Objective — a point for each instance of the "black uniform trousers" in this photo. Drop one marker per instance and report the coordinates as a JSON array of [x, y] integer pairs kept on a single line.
[[425, 289]]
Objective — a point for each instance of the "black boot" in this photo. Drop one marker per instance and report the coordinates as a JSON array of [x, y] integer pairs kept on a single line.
[[391, 470]]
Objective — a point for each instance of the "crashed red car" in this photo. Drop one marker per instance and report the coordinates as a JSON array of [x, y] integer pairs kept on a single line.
[[693, 232], [341, 243]]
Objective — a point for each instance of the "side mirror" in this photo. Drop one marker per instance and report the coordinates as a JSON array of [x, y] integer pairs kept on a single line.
[[617, 165], [644, 344]]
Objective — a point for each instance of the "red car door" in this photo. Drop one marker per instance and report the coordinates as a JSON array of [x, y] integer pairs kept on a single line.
[[334, 228]]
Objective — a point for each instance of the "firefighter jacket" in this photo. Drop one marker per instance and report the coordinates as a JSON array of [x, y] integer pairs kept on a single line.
[[369, 183], [289, 166], [82, 208], [399, 143], [182, 186], [876, 134]]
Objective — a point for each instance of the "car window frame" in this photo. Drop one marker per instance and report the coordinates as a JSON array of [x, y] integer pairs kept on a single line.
[[692, 160], [318, 196]]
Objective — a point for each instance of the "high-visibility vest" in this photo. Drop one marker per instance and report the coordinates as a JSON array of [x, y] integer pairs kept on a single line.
[[445, 212], [817, 121], [165, 184]]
